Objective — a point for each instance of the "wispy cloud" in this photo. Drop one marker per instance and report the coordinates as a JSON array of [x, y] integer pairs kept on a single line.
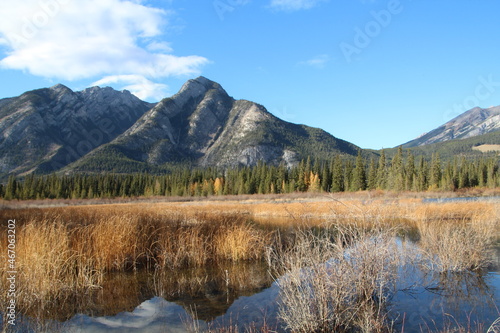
[[318, 61], [137, 84], [294, 5], [71, 40]]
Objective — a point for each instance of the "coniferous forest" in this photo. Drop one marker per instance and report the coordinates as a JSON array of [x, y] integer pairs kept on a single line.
[[402, 172]]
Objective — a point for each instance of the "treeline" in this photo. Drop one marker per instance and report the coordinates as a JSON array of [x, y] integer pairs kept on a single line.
[[403, 172]]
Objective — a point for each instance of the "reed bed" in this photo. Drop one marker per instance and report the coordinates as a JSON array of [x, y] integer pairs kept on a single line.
[[63, 251], [456, 247]]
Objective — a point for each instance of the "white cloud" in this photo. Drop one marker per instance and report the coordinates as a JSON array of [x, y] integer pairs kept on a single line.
[[294, 5], [160, 46], [137, 84], [318, 61], [71, 40]]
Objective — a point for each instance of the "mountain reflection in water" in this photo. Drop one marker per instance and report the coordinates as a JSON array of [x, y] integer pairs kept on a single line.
[[244, 294]]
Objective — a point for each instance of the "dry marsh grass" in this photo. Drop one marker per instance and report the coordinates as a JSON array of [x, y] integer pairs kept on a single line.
[[48, 267], [67, 250], [62, 252], [456, 247]]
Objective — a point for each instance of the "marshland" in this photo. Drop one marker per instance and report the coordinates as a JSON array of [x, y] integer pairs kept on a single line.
[[369, 262]]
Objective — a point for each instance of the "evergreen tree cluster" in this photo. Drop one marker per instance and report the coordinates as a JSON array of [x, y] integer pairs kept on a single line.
[[403, 172]]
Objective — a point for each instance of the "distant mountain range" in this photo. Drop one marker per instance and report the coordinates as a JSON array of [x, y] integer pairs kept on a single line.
[[45, 130], [103, 130], [472, 123]]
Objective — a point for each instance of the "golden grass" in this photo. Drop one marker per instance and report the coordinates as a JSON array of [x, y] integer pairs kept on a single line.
[[240, 242], [487, 148], [64, 250]]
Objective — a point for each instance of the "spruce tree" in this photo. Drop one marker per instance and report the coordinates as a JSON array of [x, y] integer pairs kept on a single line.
[[435, 172], [382, 172], [372, 175], [337, 175], [358, 182], [410, 172], [396, 179]]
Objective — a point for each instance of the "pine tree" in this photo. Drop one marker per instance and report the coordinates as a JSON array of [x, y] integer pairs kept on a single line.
[[337, 175], [382, 172], [435, 172], [491, 171], [326, 177], [11, 188], [372, 175], [348, 170], [358, 182], [410, 172], [421, 175], [396, 175]]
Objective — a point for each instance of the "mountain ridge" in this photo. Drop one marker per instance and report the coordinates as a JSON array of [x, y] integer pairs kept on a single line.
[[103, 130], [45, 129], [474, 122], [203, 126]]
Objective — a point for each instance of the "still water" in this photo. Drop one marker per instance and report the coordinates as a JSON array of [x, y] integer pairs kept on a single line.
[[245, 295]]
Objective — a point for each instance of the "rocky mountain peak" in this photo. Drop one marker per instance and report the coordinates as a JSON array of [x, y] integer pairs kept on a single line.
[[60, 88], [197, 88], [46, 129], [474, 122], [101, 129], [59, 92], [201, 83]]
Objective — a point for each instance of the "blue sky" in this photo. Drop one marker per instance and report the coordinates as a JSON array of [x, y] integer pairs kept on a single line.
[[377, 73]]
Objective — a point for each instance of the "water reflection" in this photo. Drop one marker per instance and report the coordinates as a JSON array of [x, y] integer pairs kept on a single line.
[[424, 301], [464, 299], [211, 291], [159, 315], [145, 299], [222, 296], [442, 300]]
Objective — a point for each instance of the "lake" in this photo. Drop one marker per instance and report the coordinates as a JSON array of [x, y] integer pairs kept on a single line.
[[244, 294]]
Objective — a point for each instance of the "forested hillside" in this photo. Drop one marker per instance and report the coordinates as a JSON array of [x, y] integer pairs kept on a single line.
[[402, 172]]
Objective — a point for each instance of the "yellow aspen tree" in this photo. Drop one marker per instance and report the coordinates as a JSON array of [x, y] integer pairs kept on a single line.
[[314, 182], [218, 186]]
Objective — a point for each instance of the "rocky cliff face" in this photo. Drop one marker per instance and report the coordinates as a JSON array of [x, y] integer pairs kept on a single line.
[[203, 126], [44, 130], [472, 123], [100, 130]]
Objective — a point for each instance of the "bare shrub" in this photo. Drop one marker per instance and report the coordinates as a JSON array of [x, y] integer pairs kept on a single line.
[[338, 280], [456, 246]]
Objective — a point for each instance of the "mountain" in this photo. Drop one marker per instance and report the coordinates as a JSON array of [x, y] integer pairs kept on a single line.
[[474, 122], [103, 130], [203, 126], [470, 148], [46, 129]]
